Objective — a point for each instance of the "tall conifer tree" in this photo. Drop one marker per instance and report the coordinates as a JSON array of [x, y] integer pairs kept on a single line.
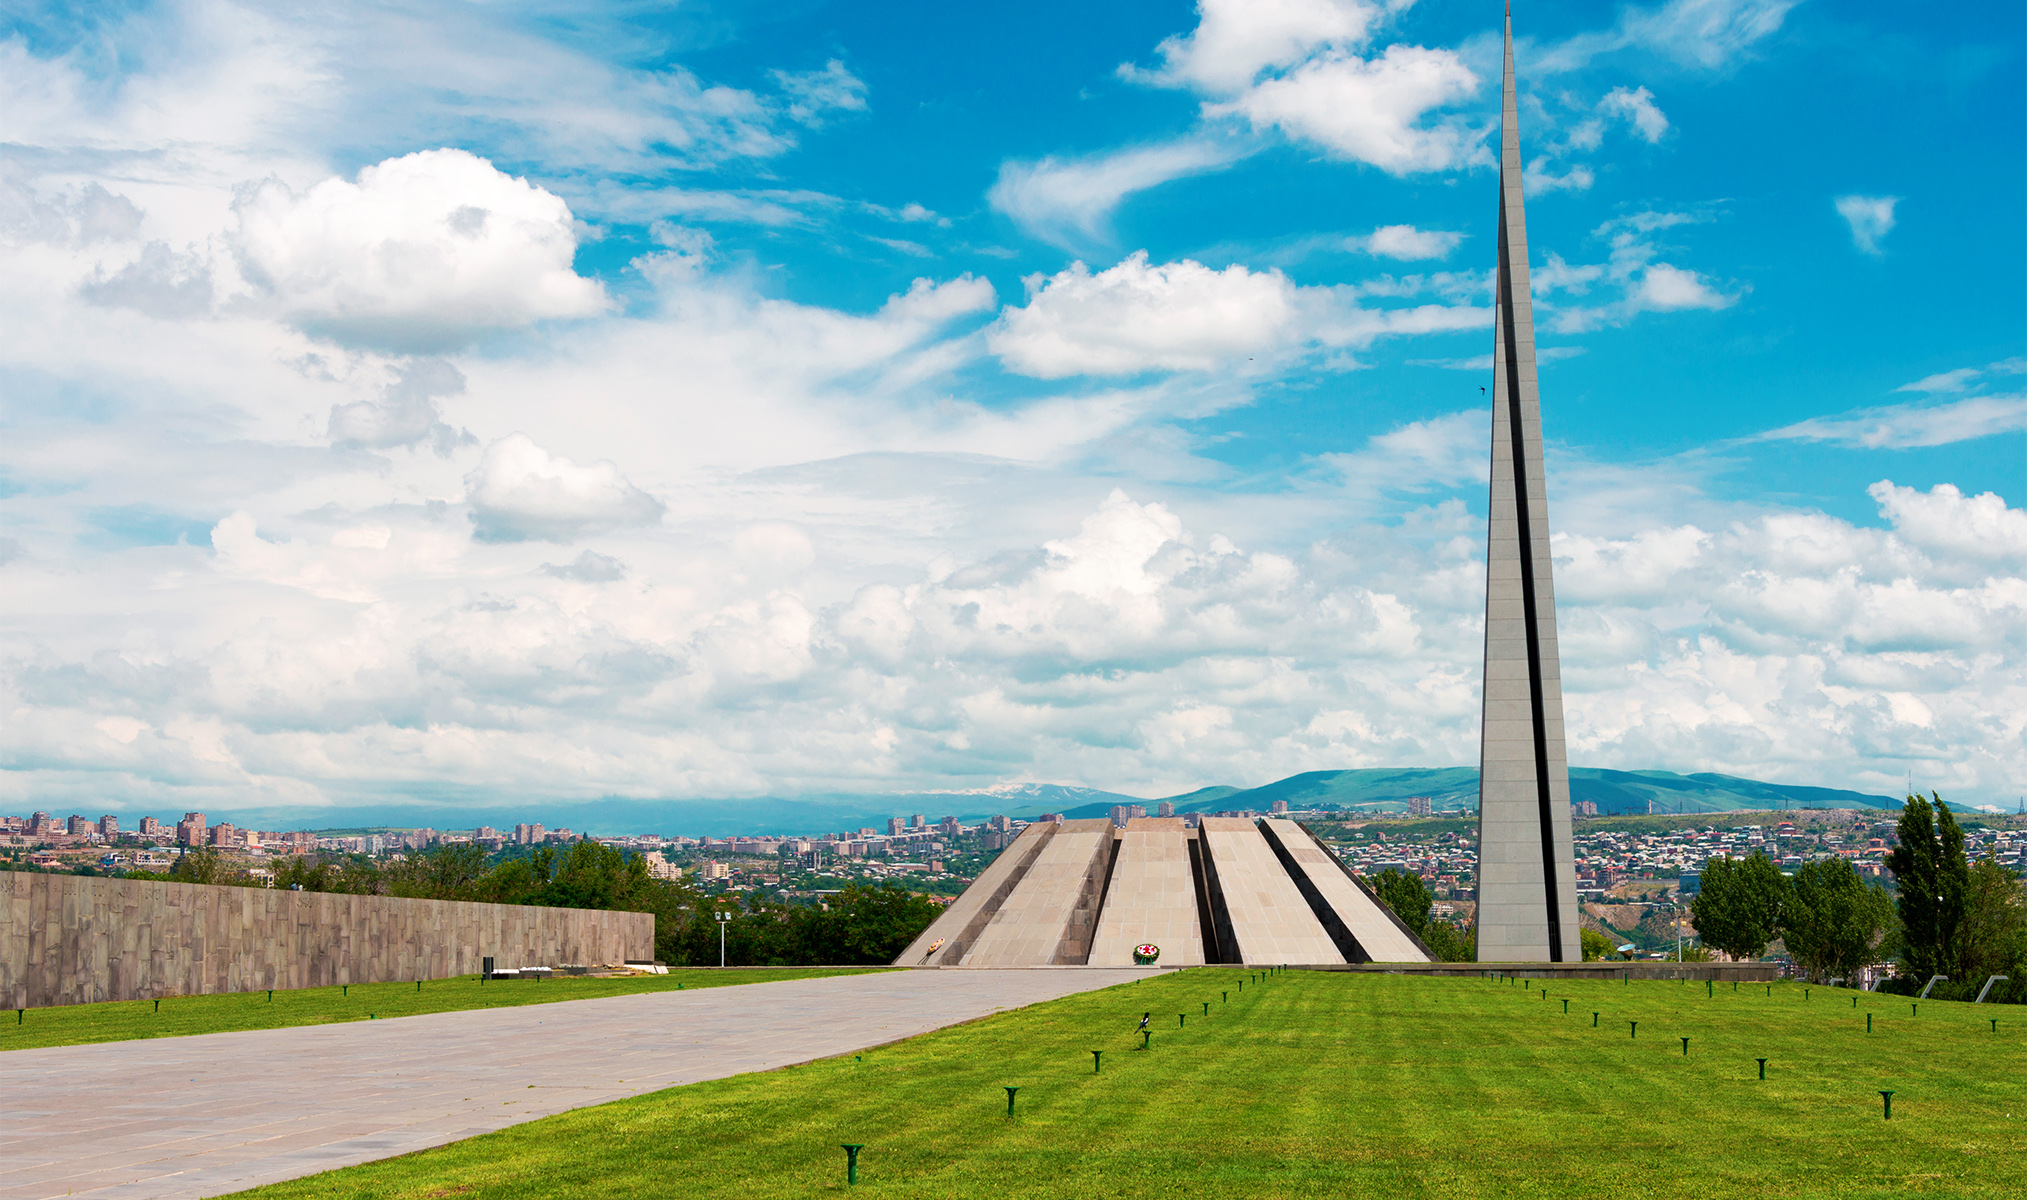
[[1935, 883]]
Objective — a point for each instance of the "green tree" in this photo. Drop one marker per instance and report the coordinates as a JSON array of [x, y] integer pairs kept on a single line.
[[449, 872], [863, 925], [1737, 908], [304, 872], [202, 865], [1993, 939], [1596, 945], [359, 875], [586, 874], [353, 874], [593, 875], [1405, 894], [1935, 884], [1451, 942], [1834, 922]]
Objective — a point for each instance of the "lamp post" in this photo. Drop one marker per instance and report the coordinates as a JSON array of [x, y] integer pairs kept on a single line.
[[724, 919]]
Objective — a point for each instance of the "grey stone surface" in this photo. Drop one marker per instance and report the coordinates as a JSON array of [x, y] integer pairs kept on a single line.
[[1376, 930], [1151, 899], [179, 1118], [1527, 901], [1080, 893], [1050, 915], [1270, 918], [947, 939]]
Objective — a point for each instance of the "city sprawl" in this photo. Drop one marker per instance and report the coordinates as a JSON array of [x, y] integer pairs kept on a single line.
[[1634, 872]]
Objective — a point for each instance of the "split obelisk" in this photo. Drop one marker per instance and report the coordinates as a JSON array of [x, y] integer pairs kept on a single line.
[[1527, 897]]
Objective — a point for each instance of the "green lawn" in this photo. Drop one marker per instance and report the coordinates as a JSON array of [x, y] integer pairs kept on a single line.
[[179, 1016], [1315, 1084]]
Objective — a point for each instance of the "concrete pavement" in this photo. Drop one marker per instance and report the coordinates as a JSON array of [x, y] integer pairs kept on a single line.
[[182, 1118]]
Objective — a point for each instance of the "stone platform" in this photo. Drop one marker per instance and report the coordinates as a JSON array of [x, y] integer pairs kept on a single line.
[[1225, 891]]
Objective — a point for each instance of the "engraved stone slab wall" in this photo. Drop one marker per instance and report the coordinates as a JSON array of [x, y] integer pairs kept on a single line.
[[75, 939]]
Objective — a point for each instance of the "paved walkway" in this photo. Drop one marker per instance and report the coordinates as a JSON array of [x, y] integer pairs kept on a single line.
[[190, 1117]]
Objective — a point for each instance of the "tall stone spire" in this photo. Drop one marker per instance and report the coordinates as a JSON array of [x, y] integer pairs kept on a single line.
[[1527, 901]]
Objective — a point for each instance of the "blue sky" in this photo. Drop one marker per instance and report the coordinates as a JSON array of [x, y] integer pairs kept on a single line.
[[693, 402]]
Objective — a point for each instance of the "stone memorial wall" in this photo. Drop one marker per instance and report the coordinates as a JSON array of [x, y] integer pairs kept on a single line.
[[74, 939]]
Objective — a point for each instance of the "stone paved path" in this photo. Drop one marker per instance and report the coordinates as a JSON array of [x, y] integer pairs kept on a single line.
[[177, 1118]]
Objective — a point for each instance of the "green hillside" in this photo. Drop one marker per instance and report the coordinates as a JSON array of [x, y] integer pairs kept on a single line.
[[1379, 790]]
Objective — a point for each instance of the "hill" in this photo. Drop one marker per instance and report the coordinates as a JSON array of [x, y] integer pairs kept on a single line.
[[1455, 789], [1371, 790]]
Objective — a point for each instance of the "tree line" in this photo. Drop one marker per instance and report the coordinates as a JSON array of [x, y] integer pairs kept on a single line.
[[1411, 901], [1948, 916], [1455, 941], [858, 925]]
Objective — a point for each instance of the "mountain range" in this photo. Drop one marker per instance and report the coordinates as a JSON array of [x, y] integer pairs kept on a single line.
[[1372, 791], [1455, 789]]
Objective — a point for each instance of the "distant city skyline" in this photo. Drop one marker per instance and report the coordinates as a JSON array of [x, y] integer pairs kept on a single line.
[[462, 408], [1437, 793]]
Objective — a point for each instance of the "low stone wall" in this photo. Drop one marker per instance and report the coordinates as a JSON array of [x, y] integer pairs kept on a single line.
[[75, 939]]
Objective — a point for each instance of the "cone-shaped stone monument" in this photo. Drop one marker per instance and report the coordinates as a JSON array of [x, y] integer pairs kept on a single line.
[[1527, 897]]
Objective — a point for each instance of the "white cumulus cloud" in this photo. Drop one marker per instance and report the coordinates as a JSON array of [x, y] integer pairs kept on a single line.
[[1407, 242], [420, 252], [161, 282], [405, 413], [1664, 288], [1370, 110], [1137, 316], [1870, 217], [1301, 66], [1235, 39], [521, 492], [1122, 641], [1184, 316], [1637, 107], [1541, 179], [73, 216], [1945, 520]]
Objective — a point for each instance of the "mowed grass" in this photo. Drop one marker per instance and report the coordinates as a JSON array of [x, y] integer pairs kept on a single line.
[[181, 1016], [1318, 1084]]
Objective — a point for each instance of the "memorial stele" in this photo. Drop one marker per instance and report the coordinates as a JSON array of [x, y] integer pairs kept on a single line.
[[1236, 890], [1527, 887]]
